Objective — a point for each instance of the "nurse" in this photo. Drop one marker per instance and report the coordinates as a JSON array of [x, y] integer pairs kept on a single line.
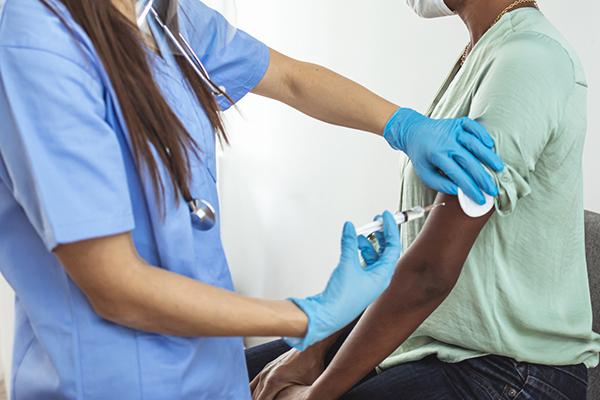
[[108, 135]]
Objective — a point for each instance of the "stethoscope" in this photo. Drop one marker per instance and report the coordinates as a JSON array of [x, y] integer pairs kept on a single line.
[[202, 213]]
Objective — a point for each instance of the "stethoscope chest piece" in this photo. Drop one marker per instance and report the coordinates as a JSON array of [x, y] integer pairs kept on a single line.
[[203, 215]]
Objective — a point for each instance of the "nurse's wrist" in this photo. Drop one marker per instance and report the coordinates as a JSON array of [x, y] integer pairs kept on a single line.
[[297, 319], [397, 127]]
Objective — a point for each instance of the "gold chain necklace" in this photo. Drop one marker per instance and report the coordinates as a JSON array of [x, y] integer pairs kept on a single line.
[[507, 9]]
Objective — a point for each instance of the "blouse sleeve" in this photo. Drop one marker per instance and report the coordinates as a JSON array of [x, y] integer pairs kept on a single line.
[[520, 100]]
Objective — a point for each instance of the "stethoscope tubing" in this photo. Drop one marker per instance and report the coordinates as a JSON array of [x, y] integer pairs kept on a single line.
[[202, 213], [188, 53]]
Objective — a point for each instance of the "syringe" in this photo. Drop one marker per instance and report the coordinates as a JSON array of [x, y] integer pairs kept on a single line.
[[401, 217]]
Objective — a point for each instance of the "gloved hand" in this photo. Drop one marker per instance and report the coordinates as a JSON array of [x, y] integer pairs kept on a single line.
[[350, 288], [450, 145]]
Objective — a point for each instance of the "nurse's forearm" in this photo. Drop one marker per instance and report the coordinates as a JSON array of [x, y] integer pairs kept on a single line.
[[172, 304], [168, 303], [324, 95], [124, 289]]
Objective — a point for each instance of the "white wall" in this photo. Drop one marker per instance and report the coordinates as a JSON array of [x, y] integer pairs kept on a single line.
[[288, 183]]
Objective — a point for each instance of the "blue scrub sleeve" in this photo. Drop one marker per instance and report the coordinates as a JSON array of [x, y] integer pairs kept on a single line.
[[63, 160], [239, 65], [520, 101]]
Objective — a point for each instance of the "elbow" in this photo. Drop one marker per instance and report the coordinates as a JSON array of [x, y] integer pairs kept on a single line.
[[429, 283], [128, 305], [435, 290], [113, 304], [109, 272], [122, 314], [107, 306]]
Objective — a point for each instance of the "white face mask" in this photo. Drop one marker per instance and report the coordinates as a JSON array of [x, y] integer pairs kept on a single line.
[[430, 8]]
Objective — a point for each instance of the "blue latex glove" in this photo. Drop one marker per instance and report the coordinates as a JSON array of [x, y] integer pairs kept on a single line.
[[452, 146], [369, 254], [350, 288]]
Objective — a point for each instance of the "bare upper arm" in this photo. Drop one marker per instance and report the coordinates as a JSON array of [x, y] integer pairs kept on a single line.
[[275, 84], [440, 250]]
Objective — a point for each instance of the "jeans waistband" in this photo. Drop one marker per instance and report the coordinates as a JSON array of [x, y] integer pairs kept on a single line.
[[578, 371]]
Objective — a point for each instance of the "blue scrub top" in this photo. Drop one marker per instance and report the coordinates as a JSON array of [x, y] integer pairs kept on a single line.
[[67, 174]]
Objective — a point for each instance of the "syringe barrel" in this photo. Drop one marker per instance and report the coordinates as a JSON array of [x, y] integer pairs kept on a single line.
[[401, 217]]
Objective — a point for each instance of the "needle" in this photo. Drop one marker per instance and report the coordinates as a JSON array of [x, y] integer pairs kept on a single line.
[[400, 218], [431, 207]]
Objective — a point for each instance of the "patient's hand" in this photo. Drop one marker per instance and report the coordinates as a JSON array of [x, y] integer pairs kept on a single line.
[[291, 368]]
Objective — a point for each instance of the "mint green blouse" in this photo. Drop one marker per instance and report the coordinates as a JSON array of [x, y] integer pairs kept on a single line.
[[523, 292]]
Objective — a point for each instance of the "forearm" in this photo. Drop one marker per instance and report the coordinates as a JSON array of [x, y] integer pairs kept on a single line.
[[123, 288], [331, 98], [320, 349], [324, 95], [294, 368], [164, 302], [386, 324]]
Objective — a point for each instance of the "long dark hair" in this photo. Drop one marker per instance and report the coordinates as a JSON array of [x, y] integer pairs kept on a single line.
[[149, 119]]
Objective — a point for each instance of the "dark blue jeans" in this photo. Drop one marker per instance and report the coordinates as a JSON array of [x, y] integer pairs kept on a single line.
[[483, 378]]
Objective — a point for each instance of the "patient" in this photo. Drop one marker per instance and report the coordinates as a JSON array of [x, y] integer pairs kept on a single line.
[[495, 307]]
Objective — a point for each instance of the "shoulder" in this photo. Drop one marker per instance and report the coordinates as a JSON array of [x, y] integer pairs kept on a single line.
[[205, 27], [197, 10], [527, 64], [30, 26], [198, 17], [532, 45], [533, 53]]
